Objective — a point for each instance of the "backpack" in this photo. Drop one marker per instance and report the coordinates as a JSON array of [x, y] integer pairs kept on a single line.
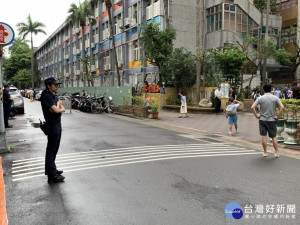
[[231, 110]]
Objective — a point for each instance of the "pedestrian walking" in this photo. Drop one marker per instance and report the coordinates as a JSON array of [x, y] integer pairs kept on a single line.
[[267, 117], [52, 109], [218, 97], [31, 95], [7, 101], [231, 115], [183, 107]]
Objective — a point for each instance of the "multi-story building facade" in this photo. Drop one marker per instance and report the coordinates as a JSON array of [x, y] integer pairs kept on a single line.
[[290, 10], [222, 22]]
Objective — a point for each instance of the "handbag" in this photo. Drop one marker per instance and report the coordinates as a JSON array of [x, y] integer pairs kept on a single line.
[[44, 127]]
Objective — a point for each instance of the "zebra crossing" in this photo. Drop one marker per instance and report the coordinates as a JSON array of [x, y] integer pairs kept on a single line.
[[34, 167]]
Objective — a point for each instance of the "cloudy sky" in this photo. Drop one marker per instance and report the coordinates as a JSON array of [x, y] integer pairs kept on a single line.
[[52, 13]]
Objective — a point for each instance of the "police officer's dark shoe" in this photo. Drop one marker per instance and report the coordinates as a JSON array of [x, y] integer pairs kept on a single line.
[[59, 172], [55, 179], [9, 126]]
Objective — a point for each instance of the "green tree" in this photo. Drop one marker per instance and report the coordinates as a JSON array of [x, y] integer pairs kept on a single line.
[[231, 62], [293, 45], [19, 46], [31, 28], [183, 68], [20, 58], [157, 45], [255, 56], [262, 4], [22, 79], [80, 14]]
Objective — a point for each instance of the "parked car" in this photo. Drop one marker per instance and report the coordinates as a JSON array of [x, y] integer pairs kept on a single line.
[[18, 99]]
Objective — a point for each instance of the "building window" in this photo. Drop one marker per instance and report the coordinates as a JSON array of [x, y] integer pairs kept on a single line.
[[214, 18]]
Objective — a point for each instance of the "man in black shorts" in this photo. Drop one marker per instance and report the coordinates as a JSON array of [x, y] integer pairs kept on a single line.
[[267, 117]]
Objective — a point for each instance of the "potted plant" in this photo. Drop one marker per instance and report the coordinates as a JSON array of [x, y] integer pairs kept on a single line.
[[154, 108], [291, 121], [154, 111]]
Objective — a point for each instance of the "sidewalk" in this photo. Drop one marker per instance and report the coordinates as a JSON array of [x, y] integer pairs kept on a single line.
[[215, 126]]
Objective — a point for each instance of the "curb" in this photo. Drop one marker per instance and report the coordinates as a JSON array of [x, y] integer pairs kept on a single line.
[[3, 214]]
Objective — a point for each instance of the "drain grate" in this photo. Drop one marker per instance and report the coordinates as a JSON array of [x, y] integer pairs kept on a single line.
[[210, 140]]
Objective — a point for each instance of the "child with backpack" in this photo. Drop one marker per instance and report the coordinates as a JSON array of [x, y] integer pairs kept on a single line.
[[231, 114]]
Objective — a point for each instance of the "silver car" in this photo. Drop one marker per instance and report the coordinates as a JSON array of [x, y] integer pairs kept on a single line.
[[18, 99]]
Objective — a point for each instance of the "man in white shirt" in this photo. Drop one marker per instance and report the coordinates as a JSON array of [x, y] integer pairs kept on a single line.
[[218, 96]]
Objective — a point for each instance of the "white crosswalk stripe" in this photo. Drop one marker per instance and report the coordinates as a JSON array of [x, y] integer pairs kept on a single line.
[[34, 167]]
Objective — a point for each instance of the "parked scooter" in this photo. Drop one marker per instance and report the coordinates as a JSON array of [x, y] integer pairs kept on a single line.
[[100, 105]]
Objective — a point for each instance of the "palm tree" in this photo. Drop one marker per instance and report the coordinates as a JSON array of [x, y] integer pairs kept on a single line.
[[79, 14], [31, 27]]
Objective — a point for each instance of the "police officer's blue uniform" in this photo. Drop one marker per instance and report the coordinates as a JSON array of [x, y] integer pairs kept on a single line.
[[6, 107], [53, 121]]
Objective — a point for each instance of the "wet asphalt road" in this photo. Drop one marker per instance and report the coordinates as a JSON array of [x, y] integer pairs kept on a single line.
[[119, 172]]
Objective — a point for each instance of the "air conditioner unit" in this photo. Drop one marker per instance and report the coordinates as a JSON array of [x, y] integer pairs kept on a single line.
[[127, 22], [96, 39], [133, 22]]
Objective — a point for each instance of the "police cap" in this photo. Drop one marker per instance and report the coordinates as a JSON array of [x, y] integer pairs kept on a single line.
[[51, 80]]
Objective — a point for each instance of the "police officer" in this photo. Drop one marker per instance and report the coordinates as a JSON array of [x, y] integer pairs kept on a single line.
[[52, 109], [7, 100]]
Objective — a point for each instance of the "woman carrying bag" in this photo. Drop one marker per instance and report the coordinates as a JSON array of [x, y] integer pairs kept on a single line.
[[183, 107]]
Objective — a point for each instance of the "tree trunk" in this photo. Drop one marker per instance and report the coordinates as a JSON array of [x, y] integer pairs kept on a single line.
[[198, 50], [32, 63], [203, 69], [108, 7], [166, 9], [250, 81], [84, 54]]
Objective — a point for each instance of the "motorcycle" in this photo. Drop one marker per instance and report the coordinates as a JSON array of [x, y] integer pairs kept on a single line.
[[100, 105]]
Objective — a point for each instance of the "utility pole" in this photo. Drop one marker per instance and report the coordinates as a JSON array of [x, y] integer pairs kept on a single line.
[[3, 142], [265, 41], [198, 66]]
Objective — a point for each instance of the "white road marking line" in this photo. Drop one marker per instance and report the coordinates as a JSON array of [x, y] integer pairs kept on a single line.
[[116, 152], [117, 155], [129, 148], [97, 162], [135, 162]]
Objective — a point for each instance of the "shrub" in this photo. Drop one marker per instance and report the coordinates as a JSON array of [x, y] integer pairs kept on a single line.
[[170, 100], [177, 101]]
